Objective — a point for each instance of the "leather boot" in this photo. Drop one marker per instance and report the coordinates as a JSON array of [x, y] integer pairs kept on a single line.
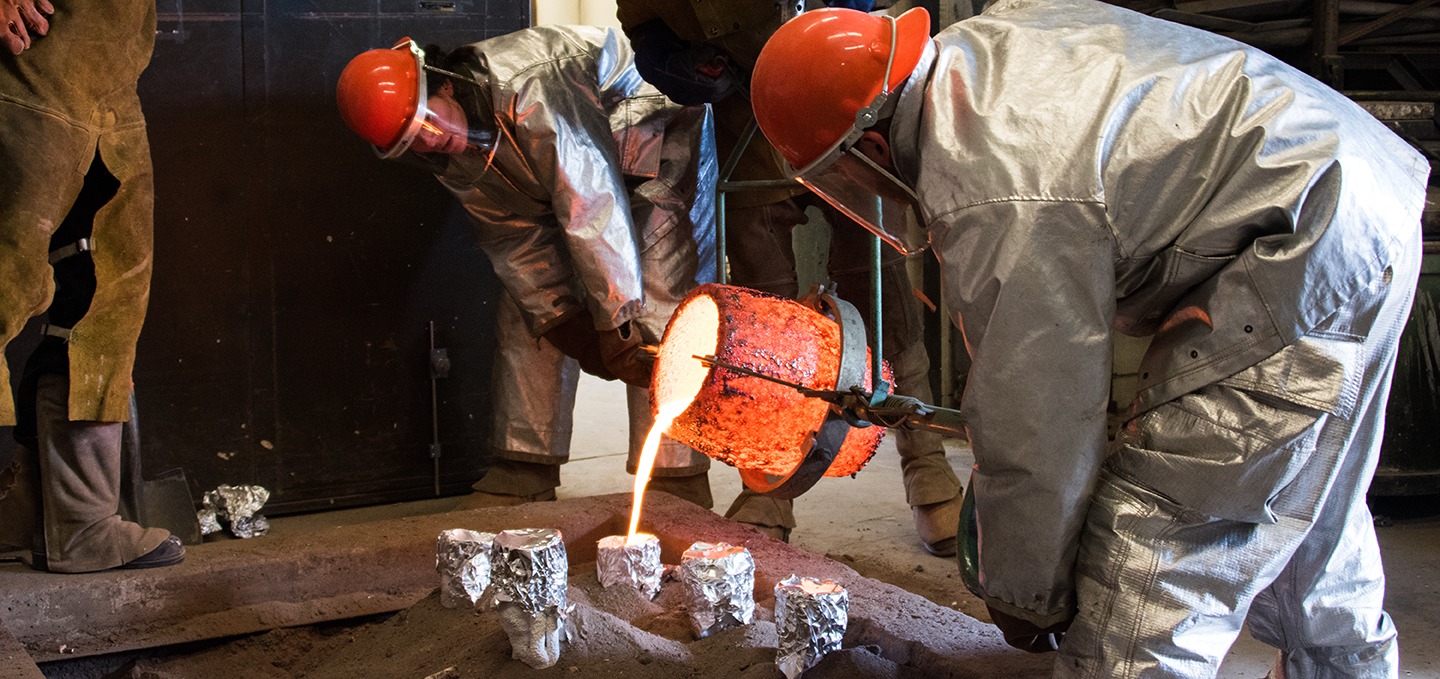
[[80, 489], [510, 482], [939, 526], [694, 488], [772, 517]]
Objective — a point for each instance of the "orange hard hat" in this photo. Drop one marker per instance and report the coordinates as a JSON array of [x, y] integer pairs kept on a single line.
[[823, 76], [380, 95]]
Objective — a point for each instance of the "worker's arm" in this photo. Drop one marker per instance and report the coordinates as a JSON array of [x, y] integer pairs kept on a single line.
[[1032, 284], [563, 128]]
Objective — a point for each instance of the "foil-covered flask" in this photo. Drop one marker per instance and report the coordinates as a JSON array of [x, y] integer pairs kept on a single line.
[[719, 586], [529, 581], [635, 562], [810, 618], [462, 558]]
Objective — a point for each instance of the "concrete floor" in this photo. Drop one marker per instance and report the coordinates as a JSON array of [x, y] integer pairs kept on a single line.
[[865, 523]]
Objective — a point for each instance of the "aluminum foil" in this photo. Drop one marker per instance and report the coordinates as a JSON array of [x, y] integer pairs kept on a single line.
[[810, 617], [528, 586], [238, 506], [209, 521], [719, 586], [250, 526], [462, 558], [638, 564]]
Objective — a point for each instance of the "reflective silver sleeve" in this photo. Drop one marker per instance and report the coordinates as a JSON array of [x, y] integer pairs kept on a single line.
[[1032, 284]]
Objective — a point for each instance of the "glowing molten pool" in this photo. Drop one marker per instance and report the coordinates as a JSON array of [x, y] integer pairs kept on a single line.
[[745, 421]]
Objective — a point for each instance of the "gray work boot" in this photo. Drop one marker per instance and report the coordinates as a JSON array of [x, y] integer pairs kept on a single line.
[[939, 526], [510, 482], [80, 490], [694, 488], [771, 516]]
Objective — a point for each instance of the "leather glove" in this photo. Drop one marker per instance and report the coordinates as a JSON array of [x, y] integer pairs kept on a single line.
[[624, 355], [577, 338], [1026, 636], [689, 74], [21, 21]]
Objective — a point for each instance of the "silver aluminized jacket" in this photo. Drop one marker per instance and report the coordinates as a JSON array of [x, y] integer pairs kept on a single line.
[[554, 210], [601, 193], [1088, 170]]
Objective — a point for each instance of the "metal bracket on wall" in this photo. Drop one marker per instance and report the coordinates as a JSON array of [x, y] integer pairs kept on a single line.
[[439, 369]]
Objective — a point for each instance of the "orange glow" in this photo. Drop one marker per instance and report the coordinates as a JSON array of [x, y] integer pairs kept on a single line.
[[745, 421]]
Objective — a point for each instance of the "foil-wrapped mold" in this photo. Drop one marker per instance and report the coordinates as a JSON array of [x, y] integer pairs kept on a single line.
[[462, 558], [529, 581], [636, 563], [810, 618], [719, 584], [238, 506]]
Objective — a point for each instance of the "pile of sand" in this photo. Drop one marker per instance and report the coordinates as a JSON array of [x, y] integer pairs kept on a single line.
[[614, 632]]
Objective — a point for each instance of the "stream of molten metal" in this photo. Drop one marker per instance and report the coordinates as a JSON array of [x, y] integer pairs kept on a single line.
[[668, 413]]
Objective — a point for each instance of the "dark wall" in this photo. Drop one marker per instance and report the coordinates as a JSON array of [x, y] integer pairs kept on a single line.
[[296, 275]]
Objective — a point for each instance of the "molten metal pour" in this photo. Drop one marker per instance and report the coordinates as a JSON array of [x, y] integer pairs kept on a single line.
[[668, 413], [776, 388]]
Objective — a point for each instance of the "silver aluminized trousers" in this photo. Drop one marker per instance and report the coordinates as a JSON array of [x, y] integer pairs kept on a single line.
[[1163, 589], [535, 402]]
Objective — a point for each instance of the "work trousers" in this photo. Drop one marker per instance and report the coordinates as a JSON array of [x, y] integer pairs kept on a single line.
[[534, 397], [1163, 588]]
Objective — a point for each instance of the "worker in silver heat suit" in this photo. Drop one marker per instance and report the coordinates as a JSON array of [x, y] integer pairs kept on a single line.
[[1086, 170], [593, 197]]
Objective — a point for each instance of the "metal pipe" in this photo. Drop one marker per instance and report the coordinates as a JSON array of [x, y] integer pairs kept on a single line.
[[877, 342]]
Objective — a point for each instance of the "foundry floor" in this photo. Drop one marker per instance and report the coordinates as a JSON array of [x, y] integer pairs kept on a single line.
[[865, 524]]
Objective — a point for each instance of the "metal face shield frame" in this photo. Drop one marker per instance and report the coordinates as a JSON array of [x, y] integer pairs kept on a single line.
[[861, 189], [412, 126], [479, 138], [874, 198]]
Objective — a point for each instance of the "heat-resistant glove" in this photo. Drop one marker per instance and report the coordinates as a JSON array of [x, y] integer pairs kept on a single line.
[[688, 73], [1027, 636], [623, 352], [577, 338]]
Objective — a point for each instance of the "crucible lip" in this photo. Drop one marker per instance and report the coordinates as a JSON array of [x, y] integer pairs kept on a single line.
[[694, 331]]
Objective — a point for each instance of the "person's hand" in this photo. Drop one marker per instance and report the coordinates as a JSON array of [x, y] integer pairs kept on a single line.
[[21, 21], [1027, 636], [625, 356], [577, 338]]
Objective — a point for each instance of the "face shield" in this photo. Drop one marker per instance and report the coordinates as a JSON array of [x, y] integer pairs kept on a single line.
[[859, 187], [442, 124], [872, 196]]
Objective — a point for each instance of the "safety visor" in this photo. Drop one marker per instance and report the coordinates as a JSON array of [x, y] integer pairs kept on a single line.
[[440, 124], [861, 189], [874, 198]]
